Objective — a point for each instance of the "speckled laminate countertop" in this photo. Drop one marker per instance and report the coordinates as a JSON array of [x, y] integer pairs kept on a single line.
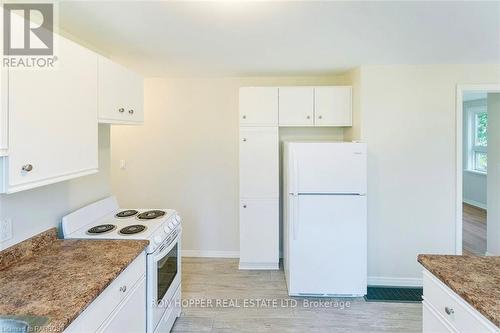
[[57, 279], [475, 279]]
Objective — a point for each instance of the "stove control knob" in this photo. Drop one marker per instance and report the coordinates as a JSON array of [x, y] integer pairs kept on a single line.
[[157, 240], [166, 228], [171, 225]]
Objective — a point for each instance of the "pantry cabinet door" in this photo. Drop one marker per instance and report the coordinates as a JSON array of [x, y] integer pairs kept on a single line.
[[259, 162], [121, 94], [333, 106], [259, 234], [296, 106], [53, 120], [258, 106]]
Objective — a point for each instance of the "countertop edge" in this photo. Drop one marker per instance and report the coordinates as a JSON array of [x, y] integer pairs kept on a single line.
[[69, 321], [435, 272]]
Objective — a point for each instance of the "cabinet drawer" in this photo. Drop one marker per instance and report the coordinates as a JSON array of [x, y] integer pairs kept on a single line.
[[432, 322], [99, 310], [456, 312]]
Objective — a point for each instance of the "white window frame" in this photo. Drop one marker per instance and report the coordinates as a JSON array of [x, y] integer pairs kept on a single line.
[[472, 110]]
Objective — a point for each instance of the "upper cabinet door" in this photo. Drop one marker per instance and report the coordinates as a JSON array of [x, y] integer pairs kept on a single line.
[[333, 106], [121, 94], [259, 106], [296, 106], [53, 121]]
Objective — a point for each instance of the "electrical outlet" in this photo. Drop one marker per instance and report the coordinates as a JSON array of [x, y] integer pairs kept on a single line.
[[123, 165], [5, 229]]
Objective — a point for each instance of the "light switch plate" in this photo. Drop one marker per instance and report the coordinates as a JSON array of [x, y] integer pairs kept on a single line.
[[5, 229]]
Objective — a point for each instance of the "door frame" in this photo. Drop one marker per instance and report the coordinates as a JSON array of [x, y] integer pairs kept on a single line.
[[461, 88]]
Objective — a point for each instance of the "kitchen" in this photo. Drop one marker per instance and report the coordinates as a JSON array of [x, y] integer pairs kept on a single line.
[[184, 153]]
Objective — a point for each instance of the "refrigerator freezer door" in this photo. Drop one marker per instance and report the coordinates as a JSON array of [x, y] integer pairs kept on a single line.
[[328, 253], [328, 167]]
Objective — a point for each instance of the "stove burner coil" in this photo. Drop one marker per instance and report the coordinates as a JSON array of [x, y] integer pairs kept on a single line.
[[150, 214], [132, 229], [100, 229], [126, 213]]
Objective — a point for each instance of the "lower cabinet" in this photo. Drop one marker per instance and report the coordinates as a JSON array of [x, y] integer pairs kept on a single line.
[[121, 307], [130, 315], [259, 233], [445, 311]]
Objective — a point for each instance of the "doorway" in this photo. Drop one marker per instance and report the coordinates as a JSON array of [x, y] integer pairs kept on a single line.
[[478, 171]]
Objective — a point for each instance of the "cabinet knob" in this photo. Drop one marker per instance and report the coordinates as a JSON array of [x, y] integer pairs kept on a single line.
[[27, 167], [244, 117], [320, 117], [123, 289], [131, 111], [244, 139], [121, 110], [449, 311], [308, 117], [244, 206]]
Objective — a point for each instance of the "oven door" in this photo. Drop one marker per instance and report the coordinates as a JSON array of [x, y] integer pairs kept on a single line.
[[164, 277]]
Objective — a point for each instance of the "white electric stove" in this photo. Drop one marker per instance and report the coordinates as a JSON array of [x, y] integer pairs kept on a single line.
[[162, 228]]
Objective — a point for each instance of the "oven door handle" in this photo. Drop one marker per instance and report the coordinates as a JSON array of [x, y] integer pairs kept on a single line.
[[167, 245]]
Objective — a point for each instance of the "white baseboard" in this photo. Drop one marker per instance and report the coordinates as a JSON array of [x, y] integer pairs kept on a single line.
[[394, 282], [257, 266], [210, 254], [475, 203]]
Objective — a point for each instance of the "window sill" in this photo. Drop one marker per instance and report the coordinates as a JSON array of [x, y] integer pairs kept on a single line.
[[476, 172]]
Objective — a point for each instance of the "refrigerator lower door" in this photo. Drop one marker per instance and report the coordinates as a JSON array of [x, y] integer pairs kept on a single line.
[[328, 250]]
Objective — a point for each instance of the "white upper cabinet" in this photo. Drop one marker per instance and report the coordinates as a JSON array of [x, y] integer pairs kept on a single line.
[[258, 106], [121, 94], [332, 106], [52, 121], [296, 106], [315, 106]]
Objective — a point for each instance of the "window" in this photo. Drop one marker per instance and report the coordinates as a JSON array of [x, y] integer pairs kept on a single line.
[[478, 139]]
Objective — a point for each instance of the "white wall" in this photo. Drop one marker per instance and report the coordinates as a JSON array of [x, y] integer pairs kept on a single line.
[[408, 122], [37, 210], [186, 155], [474, 184], [493, 224]]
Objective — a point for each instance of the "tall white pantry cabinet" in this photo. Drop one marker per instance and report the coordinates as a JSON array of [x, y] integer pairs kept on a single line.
[[259, 178], [262, 110]]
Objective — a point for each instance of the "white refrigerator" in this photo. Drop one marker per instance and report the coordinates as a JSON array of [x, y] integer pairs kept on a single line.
[[325, 223]]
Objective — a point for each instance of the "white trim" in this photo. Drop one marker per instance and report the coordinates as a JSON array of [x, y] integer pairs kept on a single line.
[[459, 154], [210, 254], [259, 266], [480, 173], [475, 203], [394, 281]]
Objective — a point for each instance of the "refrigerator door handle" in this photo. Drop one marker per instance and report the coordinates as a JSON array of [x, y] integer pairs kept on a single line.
[[294, 214]]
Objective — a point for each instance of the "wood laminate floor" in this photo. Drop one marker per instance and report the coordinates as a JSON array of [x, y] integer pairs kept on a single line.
[[219, 280], [474, 230]]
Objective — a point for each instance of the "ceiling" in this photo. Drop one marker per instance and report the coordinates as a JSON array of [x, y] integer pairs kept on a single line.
[[239, 38]]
